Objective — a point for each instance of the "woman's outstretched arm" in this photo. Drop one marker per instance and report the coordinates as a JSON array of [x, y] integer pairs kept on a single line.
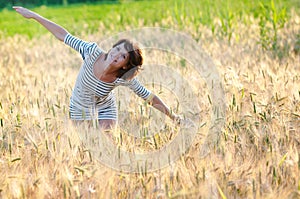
[[58, 31], [157, 103]]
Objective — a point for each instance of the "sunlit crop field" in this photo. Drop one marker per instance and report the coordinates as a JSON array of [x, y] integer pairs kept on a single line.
[[255, 155]]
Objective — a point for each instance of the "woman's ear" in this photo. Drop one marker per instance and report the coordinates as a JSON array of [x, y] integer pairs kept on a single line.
[[125, 67]]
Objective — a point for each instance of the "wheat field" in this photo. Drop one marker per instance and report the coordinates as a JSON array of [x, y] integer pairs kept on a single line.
[[256, 155]]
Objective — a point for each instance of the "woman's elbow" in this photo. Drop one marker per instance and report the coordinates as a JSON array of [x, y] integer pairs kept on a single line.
[[61, 36]]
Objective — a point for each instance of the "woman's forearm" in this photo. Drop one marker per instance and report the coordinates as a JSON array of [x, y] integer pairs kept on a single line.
[[157, 103], [58, 31]]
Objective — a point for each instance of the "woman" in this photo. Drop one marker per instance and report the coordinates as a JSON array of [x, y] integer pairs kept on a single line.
[[100, 74]]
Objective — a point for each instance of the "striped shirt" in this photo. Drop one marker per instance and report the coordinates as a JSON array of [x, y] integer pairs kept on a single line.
[[92, 98]]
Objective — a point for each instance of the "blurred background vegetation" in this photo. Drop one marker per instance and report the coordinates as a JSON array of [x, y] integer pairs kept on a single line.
[[224, 19]]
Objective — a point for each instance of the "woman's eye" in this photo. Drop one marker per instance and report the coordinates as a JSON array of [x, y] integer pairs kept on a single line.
[[118, 48]]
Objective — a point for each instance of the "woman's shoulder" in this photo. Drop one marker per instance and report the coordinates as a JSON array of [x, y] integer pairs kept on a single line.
[[124, 82]]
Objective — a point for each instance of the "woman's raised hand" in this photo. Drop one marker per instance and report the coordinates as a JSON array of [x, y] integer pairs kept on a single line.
[[25, 12], [58, 31]]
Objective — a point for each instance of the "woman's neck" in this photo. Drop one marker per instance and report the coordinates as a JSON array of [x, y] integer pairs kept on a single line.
[[103, 71]]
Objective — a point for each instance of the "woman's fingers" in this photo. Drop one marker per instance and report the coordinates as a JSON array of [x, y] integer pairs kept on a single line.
[[187, 123], [16, 7], [184, 122], [24, 12]]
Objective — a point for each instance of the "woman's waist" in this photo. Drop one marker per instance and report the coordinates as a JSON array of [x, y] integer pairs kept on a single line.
[[92, 101]]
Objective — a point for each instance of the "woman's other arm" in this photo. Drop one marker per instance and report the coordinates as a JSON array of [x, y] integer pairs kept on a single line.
[[152, 99], [58, 31], [157, 103]]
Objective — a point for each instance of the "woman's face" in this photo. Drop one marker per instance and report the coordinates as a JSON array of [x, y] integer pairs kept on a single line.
[[118, 56]]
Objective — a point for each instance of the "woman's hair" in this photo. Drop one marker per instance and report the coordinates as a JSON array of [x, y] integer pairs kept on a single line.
[[135, 60]]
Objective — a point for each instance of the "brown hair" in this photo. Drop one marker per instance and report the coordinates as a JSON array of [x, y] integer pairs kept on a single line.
[[135, 60]]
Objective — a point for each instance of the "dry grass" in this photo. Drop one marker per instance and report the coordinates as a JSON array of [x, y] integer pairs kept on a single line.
[[257, 155]]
